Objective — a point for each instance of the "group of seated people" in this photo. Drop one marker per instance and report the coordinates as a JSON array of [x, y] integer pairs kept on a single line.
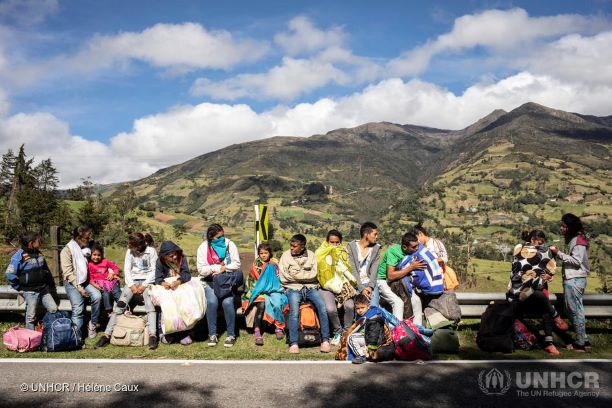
[[356, 279]]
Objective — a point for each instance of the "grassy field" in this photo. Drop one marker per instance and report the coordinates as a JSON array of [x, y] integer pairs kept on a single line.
[[245, 349]]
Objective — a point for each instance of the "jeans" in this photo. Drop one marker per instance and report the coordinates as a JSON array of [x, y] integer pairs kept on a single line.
[[375, 300], [573, 292], [122, 304], [396, 303], [109, 297], [332, 311], [295, 298], [212, 306], [78, 304], [32, 299]]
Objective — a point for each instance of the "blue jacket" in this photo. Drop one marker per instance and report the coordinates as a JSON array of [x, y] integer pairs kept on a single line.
[[28, 271]]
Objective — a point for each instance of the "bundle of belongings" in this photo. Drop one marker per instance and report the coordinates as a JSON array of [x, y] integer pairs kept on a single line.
[[369, 338]]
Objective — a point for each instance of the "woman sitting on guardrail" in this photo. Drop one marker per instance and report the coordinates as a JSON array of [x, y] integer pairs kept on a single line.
[[218, 263], [532, 269], [575, 271]]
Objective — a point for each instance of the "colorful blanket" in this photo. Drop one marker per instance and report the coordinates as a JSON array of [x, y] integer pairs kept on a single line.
[[181, 308], [264, 285]]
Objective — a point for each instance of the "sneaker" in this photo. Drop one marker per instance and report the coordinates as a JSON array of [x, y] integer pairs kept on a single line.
[[229, 341], [560, 323], [152, 342], [551, 349], [185, 341], [358, 360], [336, 339], [103, 341], [325, 347], [91, 330], [279, 333], [213, 340], [294, 349]]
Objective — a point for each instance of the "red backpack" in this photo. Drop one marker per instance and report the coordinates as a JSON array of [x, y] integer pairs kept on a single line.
[[409, 343]]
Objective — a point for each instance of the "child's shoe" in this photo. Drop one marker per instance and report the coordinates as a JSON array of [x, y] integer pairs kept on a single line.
[[279, 333], [358, 360], [258, 338], [578, 348]]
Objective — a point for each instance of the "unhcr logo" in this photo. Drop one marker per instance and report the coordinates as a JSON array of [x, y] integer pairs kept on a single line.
[[494, 381]]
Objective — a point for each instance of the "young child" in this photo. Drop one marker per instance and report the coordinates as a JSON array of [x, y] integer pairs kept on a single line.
[[353, 344], [265, 295], [140, 262], [533, 267], [28, 273], [104, 276]]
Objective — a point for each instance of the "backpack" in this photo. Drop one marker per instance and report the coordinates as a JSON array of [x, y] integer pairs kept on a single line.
[[129, 331], [59, 333], [21, 340], [522, 337], [309, 330], [409, 343], [378, 339], [445, 341], [495, 332]]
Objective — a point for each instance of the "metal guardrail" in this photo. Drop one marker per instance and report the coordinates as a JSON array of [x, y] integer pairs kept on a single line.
[[472, 305]]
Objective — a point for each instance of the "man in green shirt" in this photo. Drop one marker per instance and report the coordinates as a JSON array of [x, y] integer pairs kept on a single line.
[[388, 268]]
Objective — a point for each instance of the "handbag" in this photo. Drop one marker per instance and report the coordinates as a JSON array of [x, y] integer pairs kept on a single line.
[[22, 340], [227, 283]]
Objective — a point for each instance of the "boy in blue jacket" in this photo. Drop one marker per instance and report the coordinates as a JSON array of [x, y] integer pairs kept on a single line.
[[29, 274]]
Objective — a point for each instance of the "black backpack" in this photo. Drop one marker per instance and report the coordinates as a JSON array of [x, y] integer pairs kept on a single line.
[[495, 332], [376, 339]]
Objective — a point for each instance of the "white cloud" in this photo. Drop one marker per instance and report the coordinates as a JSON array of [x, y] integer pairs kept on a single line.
[[187, 131], [509, 32], [575, 58], [287, 81], [304, 37], [183, 47], [28, 12]]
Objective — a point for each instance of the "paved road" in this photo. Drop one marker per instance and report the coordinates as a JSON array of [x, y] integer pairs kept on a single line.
[[86, 383]]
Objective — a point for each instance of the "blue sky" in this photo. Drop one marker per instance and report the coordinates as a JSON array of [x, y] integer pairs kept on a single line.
[[118, 89]]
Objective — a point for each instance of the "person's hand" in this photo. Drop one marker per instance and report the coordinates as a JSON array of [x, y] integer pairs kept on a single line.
[[415, 264], [546, 277], [440, 261], [83, 293], [554, 250], [111, 276], [166, 285], [175, 284], [223, 269], [367, 292], [95, 285], [134, 289], [141, 289]]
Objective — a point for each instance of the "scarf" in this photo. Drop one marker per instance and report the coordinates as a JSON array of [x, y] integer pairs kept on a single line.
[[79, 262], [220, 249]]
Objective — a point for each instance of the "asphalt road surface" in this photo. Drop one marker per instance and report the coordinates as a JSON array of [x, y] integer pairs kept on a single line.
[[113, 383]]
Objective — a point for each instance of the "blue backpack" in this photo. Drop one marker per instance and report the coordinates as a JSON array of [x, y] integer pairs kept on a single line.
[[59, 333]]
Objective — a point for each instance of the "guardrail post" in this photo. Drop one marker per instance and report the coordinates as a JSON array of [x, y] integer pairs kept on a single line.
[[55, 247]]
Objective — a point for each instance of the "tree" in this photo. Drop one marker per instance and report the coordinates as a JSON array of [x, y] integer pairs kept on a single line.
[[179, 230], [46, 176]]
